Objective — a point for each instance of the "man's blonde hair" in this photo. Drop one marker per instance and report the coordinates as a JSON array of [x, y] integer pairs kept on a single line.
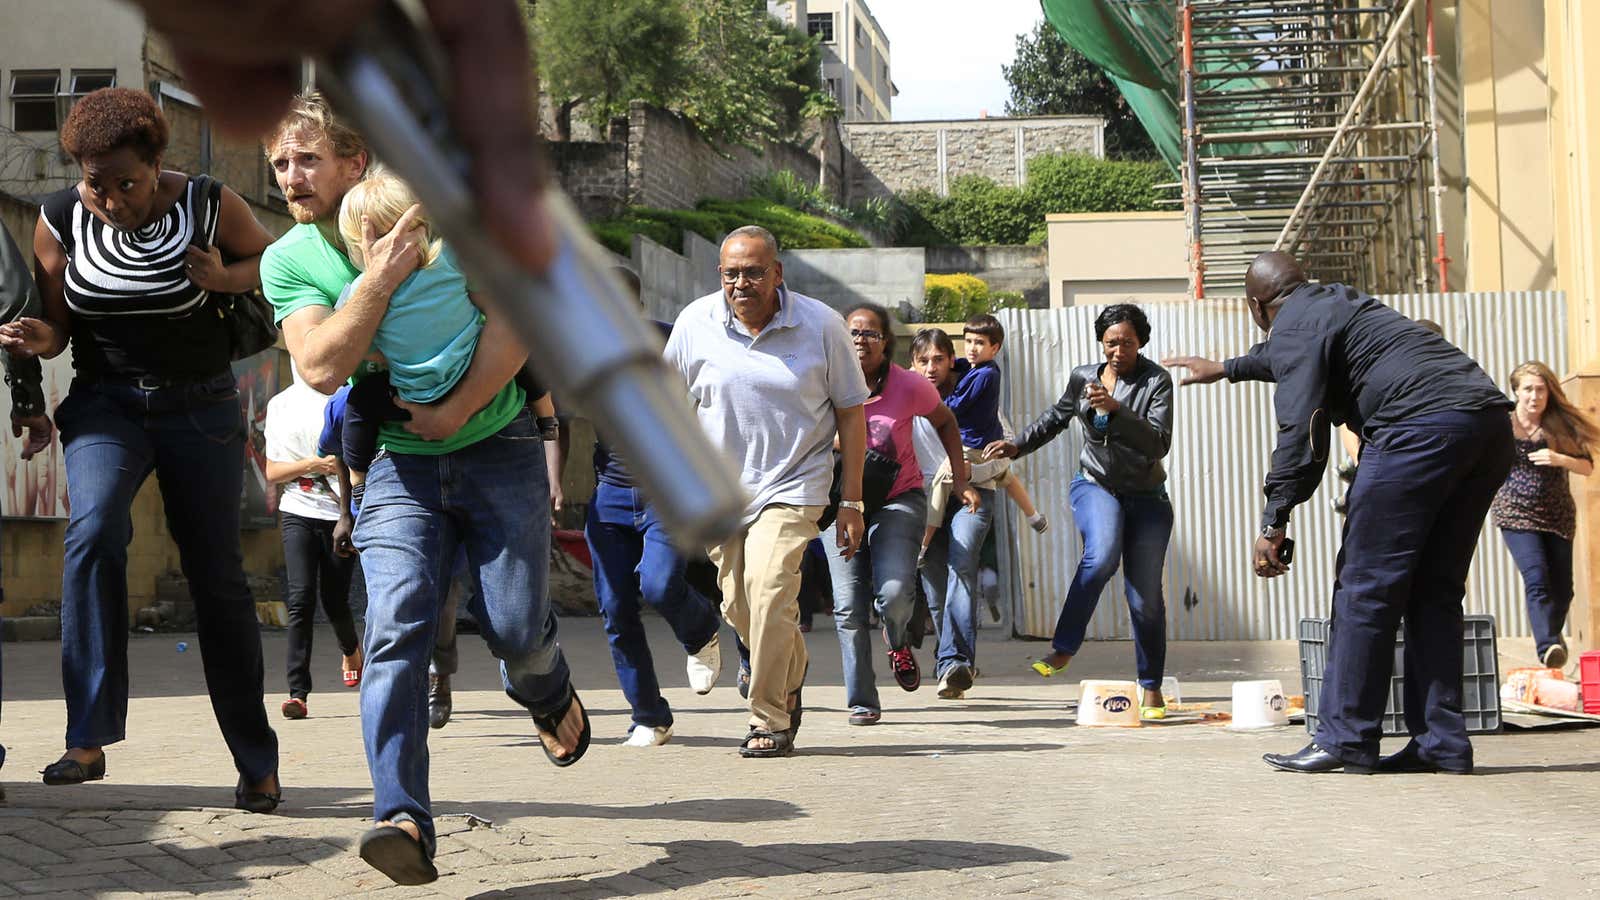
[[383, 198], [309, 113]]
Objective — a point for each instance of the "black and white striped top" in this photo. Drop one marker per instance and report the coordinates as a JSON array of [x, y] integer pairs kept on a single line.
[[134, 310]]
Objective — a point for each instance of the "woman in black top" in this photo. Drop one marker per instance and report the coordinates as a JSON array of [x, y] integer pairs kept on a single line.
[[1119, 497], [126, 263]]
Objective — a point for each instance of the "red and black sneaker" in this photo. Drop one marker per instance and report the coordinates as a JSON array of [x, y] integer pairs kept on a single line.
[[907, 673]]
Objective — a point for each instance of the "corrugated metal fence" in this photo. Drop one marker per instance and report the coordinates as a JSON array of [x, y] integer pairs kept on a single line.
[[1222, 439]]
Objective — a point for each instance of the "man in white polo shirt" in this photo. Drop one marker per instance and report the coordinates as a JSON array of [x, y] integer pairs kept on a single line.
[[774, 378]]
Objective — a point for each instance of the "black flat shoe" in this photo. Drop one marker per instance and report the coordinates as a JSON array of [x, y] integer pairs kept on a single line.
[[257, 801], [551, 724], [1313, 760], [70, 771], [1411, 761], [390, 850]]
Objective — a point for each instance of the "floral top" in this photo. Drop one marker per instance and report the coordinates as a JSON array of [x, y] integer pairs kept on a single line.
[[1535, 498]]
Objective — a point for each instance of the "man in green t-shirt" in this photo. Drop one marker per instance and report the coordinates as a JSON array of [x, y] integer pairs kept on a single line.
[[466, 473]]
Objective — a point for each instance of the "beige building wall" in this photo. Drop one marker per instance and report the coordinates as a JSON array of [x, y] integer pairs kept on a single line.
[[1505, 115], [1100, 258], [856, 62]]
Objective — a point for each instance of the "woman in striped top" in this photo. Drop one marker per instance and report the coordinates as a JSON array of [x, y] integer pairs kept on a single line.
[[127, 261]]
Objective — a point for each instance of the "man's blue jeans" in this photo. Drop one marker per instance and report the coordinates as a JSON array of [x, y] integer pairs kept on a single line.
[[192, 437], [880, 576], [1545, 560], [1131, 531], [950, 579], [493, 498], [633, 559]]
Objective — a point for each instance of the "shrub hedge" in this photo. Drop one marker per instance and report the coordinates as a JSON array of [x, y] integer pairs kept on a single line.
[[711, 219]]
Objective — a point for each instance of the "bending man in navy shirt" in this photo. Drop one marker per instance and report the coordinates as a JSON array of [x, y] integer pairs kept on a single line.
[[1436, 445]]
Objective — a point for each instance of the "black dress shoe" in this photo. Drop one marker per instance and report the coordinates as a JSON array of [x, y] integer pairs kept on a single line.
[[1410, 760], [70, 771], [257, 801], [1312, 760], [440, 703]]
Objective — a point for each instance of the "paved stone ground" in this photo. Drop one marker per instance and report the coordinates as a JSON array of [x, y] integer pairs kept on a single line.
[[997, 795]]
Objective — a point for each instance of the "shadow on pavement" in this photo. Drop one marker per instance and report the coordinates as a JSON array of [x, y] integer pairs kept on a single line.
[[688, 863], [720, 810], [1537, 770]]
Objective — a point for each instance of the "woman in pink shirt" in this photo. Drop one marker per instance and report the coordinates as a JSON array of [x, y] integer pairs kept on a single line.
[[882, 574]]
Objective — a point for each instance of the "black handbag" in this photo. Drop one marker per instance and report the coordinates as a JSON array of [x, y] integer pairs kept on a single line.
[[248, 318], [879, 472]]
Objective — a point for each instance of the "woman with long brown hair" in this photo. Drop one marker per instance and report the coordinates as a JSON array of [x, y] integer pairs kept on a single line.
[[1534, 509]]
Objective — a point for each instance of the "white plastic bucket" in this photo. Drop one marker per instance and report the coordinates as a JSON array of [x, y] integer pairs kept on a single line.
[[1108, 704], [1259, 704]]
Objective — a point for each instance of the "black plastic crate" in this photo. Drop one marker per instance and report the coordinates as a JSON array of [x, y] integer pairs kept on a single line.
[[1480, 675]]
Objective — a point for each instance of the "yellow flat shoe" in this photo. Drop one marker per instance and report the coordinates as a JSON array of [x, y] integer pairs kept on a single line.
[[1152, 712], [1045, 670]]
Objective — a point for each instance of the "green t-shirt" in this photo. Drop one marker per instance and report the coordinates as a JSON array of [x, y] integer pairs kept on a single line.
[[302, 269]]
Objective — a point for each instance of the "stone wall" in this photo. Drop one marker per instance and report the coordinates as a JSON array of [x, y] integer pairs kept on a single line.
[[1003, 268], [594, 174], [671, 166], [883, 158]]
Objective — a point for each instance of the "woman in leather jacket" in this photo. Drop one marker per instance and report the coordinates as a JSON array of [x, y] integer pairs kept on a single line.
[[1119, 496]]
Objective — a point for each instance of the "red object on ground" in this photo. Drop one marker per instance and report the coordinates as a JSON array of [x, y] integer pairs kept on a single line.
[[1589, 675], [573, 544]]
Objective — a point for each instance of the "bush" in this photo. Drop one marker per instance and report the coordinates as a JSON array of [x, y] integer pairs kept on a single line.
[[978, 211], [953, 298], [715, 218]]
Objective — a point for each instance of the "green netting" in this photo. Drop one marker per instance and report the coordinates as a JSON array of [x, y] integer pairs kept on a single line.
[[1135, 41]]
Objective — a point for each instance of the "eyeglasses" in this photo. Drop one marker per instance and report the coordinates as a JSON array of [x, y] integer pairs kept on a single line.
[[752, 274], [867, 333]]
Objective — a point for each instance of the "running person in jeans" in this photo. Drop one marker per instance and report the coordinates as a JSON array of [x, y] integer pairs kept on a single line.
[[308, 511], [881, 575], [634, 560]]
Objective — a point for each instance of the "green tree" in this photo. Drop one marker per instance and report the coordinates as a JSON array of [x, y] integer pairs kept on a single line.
[[1049, 77], [606, 53], [751, 75]]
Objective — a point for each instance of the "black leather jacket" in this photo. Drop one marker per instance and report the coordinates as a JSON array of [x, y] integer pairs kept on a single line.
[[19, 298], [1126, 457]]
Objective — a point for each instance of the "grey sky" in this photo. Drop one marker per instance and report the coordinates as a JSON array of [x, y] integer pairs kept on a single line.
[[945, 55]]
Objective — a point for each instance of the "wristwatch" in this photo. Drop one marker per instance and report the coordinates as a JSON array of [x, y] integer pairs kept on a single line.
[[856, 505], [1272, 532]]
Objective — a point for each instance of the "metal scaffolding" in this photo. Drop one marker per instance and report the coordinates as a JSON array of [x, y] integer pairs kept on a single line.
[[1309, 126]]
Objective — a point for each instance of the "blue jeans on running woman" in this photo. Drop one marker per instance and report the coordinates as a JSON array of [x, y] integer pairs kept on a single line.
[[950, 579], [115, 433], [1545, 560], [1130, 530], [633, 559], [880, 576], [493, 497]]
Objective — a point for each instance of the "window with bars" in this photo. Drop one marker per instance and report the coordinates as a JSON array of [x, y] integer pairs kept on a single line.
[[820, 26], [33, 100]]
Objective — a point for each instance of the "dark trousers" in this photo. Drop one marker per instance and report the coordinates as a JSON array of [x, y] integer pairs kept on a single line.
[[192, 438], [311, 568], [1545, 560], [1416, 510], [635, 561]]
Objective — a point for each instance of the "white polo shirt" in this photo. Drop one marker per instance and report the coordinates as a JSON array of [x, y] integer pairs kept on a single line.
[[768, 401]]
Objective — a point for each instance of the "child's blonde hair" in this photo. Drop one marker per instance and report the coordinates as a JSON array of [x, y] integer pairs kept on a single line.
[[383, 199]]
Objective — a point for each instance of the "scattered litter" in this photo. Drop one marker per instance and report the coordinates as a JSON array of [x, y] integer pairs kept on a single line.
[[476, 822]]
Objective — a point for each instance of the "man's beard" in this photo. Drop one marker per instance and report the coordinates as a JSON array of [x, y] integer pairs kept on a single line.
[[301, 214]]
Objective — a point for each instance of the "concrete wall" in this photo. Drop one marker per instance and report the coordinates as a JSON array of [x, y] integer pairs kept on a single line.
[[891, 157], [891, 277], [594, 174], [1100, 258], [670, 165], [1003, 268]]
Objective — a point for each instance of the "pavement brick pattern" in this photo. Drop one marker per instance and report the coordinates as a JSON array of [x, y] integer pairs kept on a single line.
[[997, 795]]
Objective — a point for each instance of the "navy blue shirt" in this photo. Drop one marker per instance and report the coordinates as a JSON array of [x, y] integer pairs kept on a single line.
[[608, 467], [976, 403], [1340, 357]]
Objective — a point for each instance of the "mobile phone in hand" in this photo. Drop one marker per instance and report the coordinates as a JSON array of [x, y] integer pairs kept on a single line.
[[1286, 551]]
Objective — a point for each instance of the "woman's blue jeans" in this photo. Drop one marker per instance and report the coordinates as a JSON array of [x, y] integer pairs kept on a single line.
[[1131, 531], [880, 576], [114, 434], [1545, 561]]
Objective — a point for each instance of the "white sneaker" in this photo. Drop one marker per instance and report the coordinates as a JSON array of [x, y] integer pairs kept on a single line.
[[706, 665], [1555, 656], [644, 736]]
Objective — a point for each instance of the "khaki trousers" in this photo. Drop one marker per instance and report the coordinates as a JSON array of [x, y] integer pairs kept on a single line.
[[758, 570]]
